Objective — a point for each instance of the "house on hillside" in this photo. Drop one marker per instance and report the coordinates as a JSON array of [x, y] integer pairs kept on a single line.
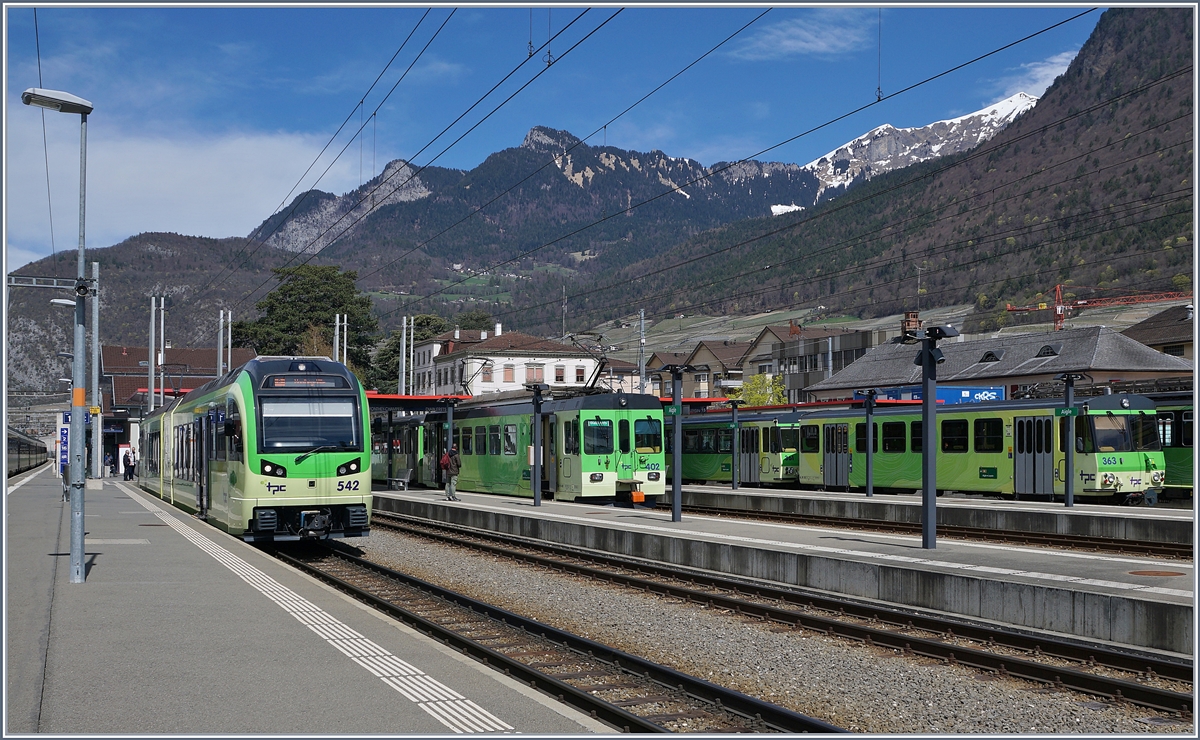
[[724, 362], [660, 383], [1020, 362], [1169, 331]]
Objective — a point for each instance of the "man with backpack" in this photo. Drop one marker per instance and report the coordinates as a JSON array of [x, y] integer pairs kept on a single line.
[[450, 465]]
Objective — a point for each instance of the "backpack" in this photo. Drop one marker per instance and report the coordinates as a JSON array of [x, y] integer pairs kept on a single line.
[[445, 461]]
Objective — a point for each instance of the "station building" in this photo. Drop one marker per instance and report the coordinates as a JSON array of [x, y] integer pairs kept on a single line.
[[1022, 363]]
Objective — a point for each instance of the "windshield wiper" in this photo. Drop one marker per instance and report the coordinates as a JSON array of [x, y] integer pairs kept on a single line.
[[319, 448]]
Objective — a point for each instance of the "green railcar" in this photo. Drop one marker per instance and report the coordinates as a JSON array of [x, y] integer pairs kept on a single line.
[[1010, 449], [767, 451], [273, 451], [1176, 419], [601, 447]]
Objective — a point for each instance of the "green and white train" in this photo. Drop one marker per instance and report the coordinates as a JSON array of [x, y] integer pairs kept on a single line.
[[1011, 449], [600, 447], [273, 451]]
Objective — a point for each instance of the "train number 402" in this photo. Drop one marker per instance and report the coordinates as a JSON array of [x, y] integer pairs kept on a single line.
[[347, 485]]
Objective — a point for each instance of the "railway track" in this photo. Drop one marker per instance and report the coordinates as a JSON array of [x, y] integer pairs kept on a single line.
[[1049, 539], [622, 690], [1144, 679]]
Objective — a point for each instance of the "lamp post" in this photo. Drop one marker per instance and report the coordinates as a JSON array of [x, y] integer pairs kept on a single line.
[[737, 440], [929, 358], [677, 372], [67, 103], [869, 405], [1069, 411], [535, 475]]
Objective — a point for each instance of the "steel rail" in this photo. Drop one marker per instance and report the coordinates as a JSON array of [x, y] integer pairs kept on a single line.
[[1057, 676], [1106, 544], [776, 717]]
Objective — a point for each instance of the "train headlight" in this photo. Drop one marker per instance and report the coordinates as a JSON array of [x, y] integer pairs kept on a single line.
[[1108, 479], [653, 476], [596, 477], [1157, 477], [274, 470], [350, 467]]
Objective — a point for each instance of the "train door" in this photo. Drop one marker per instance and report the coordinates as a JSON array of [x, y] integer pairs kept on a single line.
[[550, 463], [748, 461], [836, 458], [568, 461], [203, 432], [1033, 456]]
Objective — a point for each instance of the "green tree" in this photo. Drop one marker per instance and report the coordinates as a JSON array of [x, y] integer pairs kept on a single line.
[[298, 314], [477, 319], [764, 390], [384, 374]]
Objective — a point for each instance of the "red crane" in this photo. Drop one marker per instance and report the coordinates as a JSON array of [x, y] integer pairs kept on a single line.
[[1061, 308]]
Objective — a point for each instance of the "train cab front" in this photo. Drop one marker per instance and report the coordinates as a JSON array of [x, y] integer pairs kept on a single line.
[[301, 523]]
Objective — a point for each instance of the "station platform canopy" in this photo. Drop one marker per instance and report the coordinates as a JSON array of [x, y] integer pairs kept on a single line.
[[411, 404]]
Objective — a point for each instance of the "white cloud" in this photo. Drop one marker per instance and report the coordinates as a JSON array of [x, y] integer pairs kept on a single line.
[[818, 33], [1035, 77], [216, 186]]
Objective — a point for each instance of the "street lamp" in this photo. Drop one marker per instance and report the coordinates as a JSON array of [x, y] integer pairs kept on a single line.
[[929, 358], [67, 103], [1069, 411], [535, 475], [677, 372]]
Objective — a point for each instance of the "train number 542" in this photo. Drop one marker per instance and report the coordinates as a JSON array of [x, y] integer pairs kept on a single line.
[[347, 485]]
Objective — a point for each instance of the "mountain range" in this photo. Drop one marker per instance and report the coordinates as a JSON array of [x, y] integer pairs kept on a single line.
[[1090, 185]]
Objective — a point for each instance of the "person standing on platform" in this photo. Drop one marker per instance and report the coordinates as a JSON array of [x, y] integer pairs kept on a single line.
[[108, 464], [451, 464], [127, 463], [133, 472]]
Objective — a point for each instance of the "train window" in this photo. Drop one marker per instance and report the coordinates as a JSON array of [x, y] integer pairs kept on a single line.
[[1166, 429], [647, 435], [1145, 432], [725, 441], [1186, 432], [989, 435], [300, 423], [691, 441], [893, 436], [916, 437], [571, 437], [494, 439], [465, 447], [510, 439], [233, 420], [790, 438], [480, 440], [708, 441], [454, 437], [597, 436], [954, 435], [776, 444], [623, 436], [810, 438], [860, 438], [1111, 433]]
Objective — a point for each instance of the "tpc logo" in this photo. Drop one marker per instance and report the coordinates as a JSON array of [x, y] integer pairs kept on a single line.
[[275, 488]]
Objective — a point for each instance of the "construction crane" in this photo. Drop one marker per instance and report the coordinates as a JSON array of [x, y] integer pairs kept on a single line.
[[1063, 308]]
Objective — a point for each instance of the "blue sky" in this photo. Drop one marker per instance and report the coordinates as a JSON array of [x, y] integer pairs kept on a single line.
[[206, 117]]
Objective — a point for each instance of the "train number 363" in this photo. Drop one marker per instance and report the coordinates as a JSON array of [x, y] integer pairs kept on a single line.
[[1111, 460], [347, 485]]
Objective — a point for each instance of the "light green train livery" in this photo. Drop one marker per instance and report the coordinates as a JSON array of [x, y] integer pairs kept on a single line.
[[272, 451]]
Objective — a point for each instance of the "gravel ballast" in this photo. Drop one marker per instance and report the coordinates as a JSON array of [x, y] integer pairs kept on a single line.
[[860, 688]]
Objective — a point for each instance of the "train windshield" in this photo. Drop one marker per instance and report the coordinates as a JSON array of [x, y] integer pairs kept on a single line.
[[299, 424], [597, 436], [647, 435], [1125, 433]]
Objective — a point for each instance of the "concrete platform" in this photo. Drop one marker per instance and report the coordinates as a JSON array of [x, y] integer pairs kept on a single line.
[[1148, 524], [1123, 600], [182, 629]]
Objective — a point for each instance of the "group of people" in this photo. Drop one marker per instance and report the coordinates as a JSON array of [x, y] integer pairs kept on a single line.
[[128, 463]]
